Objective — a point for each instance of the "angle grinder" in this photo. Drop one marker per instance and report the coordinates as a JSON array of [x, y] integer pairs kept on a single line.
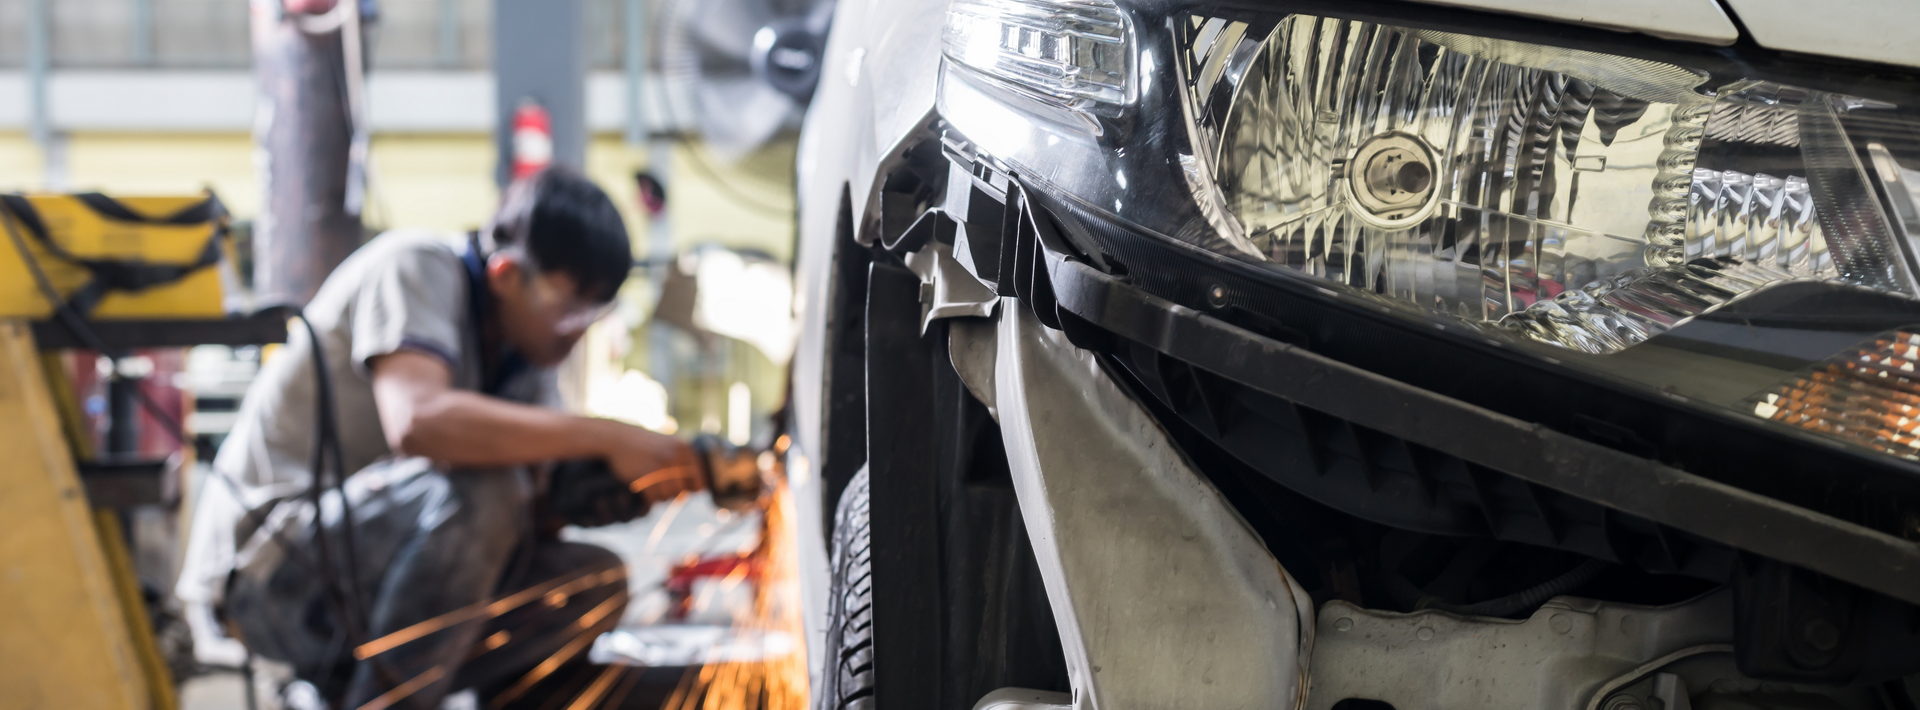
[[586, 493]]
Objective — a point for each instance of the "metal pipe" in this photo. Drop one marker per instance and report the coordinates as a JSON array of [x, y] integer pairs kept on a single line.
[[640, 129], [449, 47], [123, 417], [304, 135], [39, 37], [636, 67], [143, 33]]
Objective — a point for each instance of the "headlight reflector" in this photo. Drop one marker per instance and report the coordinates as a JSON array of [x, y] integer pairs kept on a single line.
[[1577, 198]]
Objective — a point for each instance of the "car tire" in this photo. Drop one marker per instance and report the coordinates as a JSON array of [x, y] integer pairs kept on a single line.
[[848, 675]]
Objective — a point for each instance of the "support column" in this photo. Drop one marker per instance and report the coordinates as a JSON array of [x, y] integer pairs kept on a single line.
[[539, 53]]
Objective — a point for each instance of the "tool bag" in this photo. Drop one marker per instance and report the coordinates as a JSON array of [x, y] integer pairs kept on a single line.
[[107, 258]]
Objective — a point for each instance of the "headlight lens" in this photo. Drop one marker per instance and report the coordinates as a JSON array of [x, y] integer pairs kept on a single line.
[[1581, 199], [1585, 200]]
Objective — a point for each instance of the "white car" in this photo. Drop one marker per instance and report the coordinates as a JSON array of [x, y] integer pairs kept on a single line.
[[1214, 354]]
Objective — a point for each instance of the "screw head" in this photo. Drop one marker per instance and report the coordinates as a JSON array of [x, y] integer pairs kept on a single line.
[[1822, 635]]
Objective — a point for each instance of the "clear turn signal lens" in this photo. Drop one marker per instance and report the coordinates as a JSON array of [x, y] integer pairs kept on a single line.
[[1073, 52], [1581, 199]]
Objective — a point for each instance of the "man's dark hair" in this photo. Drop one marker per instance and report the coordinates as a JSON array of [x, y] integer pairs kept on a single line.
[[563, 222]]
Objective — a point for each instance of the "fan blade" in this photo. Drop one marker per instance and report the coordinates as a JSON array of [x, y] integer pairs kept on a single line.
[[738, 116]]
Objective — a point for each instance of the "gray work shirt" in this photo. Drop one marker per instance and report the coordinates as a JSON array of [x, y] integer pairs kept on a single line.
[[403, 290]]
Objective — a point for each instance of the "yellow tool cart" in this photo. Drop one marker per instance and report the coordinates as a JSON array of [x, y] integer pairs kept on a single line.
[[108, 275]]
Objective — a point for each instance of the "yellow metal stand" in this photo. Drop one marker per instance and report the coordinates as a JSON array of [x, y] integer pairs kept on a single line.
[[73, 634]]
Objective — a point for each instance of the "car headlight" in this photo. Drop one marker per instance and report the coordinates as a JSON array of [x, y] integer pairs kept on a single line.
[[1077, 52], [1575, 198]]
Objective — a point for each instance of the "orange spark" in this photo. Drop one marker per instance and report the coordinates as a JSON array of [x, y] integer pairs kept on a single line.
[[404, 690], [590, 623], [599, 688], [422, 629], [774, 682]]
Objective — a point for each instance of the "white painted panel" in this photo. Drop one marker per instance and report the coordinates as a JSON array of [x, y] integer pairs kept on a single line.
[[120, 100], [431, 101], [606, 102], [13, 101], [1692, 20], [1869, 30]]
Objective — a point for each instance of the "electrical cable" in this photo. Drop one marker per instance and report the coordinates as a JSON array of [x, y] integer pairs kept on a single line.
[[246, 676], [327, 448]]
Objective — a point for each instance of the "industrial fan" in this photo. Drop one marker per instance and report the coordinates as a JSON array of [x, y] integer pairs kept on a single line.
[[739, 72]]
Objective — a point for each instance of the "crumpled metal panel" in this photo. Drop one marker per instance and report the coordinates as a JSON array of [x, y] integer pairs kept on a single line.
[[1021, 699], [1163, 596], [1567, 654]]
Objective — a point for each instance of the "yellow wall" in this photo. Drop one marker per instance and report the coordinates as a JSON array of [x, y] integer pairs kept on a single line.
[[432, 182], [19, 163], [137, 164], [753, 209]]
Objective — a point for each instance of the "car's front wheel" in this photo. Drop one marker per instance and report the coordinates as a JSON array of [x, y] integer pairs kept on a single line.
[[847, 677]]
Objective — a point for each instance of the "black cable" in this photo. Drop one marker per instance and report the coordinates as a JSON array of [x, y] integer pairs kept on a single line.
[[327, 448], [348, 633], [1896, 695], [246, 676]]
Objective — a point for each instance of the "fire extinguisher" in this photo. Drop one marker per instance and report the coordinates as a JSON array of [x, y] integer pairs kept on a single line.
[[532, 139]]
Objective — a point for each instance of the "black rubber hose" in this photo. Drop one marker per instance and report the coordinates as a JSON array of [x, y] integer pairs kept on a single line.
[[327, 450]]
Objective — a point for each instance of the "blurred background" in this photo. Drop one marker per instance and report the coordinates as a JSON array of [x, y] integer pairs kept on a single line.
[[158, 97], [684, 112]]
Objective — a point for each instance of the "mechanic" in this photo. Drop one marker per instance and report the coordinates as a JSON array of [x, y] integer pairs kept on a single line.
[[439, 350]]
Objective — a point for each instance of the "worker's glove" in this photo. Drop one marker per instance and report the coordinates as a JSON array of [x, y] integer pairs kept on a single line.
[[732, 474], [586, 493]]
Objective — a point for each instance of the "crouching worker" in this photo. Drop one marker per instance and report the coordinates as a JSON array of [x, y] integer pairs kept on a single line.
[[437, 350]]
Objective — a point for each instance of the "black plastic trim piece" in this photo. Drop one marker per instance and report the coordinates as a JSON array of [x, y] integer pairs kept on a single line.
[[1573, 393], [123, 484], [903, 507], [1530, 452]]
